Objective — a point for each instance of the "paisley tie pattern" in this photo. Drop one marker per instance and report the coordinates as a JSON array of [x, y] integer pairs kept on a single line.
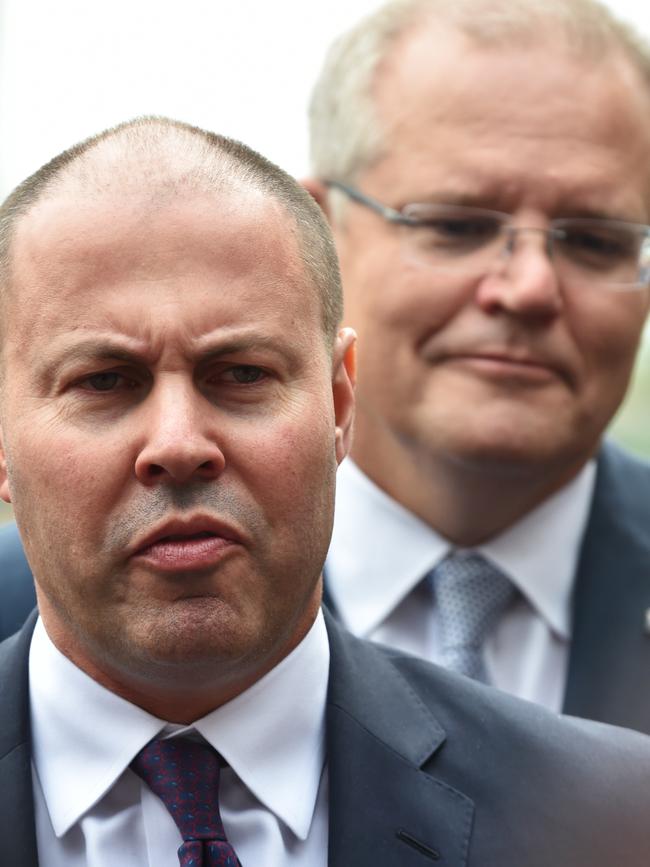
[[184, 774]]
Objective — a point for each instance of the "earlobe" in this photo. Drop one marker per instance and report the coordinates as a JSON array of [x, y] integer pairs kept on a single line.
[[343, 380], [5, 493]]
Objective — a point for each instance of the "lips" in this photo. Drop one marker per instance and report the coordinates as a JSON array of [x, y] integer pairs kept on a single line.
[[196, 543], [499, 366], [504, 358], [500, 361]]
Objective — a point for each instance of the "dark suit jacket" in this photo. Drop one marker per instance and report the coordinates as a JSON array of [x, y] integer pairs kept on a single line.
[[610, 653], [609, 662], [424, 766]]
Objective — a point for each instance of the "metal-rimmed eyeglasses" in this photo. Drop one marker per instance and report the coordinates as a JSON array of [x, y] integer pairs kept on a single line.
[[585, 251]]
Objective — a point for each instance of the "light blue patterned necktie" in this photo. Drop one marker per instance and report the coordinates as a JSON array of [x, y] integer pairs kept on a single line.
[[471, 594]]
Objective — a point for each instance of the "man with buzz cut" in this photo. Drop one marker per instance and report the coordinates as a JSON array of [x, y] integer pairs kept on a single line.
[[175, 397], [483, 164], [484, 167]]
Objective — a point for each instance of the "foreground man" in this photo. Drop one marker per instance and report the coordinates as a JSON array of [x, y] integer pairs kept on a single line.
[[484, 164], [175, 398]]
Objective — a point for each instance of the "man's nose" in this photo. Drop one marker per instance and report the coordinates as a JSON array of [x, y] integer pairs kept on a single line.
[[180, 440], [523, 280]]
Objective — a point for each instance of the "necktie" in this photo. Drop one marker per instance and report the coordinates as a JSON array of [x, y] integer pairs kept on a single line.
[[184, 774], [470, 595]]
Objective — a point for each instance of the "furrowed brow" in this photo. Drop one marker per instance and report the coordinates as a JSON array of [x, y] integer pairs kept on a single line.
[[84, 352]]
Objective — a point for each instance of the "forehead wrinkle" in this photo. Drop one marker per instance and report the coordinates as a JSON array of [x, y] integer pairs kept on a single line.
[[204, 347], [288, 350], [98, 349], [475, 172], [580, 201]]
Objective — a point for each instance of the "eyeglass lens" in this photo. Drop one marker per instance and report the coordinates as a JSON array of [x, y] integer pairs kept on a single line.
[[606, 252]]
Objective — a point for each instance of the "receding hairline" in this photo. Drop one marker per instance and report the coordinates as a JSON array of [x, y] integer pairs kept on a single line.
[[159, 160], [347, 135]]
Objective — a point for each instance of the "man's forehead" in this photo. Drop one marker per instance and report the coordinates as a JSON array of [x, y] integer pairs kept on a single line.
[[74, 223], [137, 199], [234, 253], [444, 96], [441, 49], [153, 304]]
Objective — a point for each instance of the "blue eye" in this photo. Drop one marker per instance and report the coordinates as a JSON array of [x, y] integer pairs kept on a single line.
[[104, 381], [245, 374]]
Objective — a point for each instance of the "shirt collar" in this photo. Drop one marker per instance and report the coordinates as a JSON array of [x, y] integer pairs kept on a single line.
[[380, 551], [540, 552], [273, 735]]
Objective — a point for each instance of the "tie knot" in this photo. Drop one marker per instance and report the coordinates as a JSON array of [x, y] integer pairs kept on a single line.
[[184, 774], [471, 594]]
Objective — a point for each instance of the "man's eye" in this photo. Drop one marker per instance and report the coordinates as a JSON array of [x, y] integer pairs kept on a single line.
[[107, 381], [464, 228], [244, 374], [456, 233], [605, 245]]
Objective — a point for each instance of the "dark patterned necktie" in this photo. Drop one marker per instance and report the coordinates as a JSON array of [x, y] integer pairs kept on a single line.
[[471, 594], [184, 774]]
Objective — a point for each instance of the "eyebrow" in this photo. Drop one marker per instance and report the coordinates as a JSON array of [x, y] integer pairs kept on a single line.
[[206, 349], [485, 201], [243, 343], [99, 350]]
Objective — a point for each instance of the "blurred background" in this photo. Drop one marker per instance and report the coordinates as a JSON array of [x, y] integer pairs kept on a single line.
[[72, 68]]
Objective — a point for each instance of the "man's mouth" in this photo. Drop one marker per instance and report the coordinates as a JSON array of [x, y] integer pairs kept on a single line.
[[506, 364], [501, 366], [181, 537], [181, 545]]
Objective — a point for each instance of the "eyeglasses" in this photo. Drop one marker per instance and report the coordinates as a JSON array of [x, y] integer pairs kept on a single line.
[[609, 254]]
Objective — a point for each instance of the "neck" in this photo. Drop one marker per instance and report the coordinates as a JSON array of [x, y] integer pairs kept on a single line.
[[174, 692], [467, 501]]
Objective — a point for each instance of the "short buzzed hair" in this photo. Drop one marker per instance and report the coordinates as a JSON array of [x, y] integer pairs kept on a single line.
[[164, 158], [345, 130]]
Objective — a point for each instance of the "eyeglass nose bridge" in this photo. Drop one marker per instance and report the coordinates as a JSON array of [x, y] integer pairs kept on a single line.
[[512, 232]]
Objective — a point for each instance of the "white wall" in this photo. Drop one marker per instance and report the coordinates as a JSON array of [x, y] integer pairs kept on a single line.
[[69, 68]]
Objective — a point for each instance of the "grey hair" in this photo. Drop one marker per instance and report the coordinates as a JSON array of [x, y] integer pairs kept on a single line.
[[345, 130], [160, 158]]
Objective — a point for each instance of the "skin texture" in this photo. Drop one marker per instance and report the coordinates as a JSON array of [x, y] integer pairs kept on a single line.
[[477, 398], [167, 364]]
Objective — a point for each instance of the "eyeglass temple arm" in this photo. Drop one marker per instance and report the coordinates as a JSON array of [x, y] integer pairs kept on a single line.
[[384, 211]]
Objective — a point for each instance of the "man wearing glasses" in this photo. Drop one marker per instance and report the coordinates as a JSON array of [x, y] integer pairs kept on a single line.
[[485, 166]]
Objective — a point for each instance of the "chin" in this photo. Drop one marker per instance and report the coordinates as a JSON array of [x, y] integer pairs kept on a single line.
[[196, 631], [518, 456]]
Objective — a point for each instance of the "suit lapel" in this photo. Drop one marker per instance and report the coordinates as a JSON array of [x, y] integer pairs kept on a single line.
[[610, 650], [384, 808], [17, 830]]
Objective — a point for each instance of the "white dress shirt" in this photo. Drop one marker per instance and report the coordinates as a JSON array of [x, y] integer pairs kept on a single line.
[[380, 553], [92, 810]]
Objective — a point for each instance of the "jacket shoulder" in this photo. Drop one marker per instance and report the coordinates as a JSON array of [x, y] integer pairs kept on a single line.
[[567, 790]]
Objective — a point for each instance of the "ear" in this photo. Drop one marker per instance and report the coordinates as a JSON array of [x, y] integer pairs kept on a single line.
[[344, 375], [5, 493], [318, 191]]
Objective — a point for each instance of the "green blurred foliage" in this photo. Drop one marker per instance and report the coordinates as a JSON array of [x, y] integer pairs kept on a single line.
[[631, 425]]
